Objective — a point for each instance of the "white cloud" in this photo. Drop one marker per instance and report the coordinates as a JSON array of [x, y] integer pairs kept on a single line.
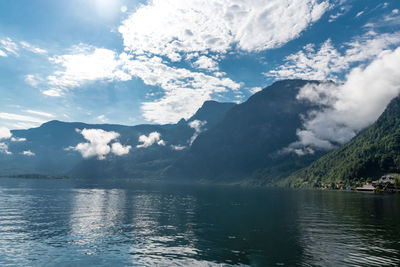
[[352, 106], [178, 147], [342, 11], [328, 62], [32, 80], [40, 113], [119, 149], [203, 32], [18, 139], [197, 125], [28, 153], [98, 145], [102, 118], [170, 27], [9, 46], [359, 14], [151, 139], [4, 149], [185, 91], [17, 117], [85, 64], [5, 133], [53, 92], [32, 48], [254, 90], [164, 31], [206, 63]]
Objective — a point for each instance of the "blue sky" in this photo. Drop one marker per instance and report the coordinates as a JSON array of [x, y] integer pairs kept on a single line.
[[131, 62]]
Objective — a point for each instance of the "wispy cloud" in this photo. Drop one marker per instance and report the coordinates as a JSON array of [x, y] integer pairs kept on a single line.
[[18, 117], [197, 125], [40, 113], [32, 48], [329, 63], [9, 47]]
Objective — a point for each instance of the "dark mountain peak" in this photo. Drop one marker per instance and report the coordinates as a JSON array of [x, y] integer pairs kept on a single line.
[[212, 112], [181, 121]]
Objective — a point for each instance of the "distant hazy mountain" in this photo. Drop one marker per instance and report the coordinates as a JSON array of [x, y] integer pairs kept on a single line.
[[50, 143], [248, 140], [373, 152], [221, 142]]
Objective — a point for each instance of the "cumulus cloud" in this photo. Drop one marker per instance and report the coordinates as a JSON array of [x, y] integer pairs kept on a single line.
[[120, 150], [84, 64], [98, 144], [351, 106], [28, 153], [151, 139], [4, 149], [168, 28], [328, 63], [197, 125], [206, 63], [5, 133]]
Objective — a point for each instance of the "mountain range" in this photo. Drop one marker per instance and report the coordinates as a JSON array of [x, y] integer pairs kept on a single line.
[[220, 143]]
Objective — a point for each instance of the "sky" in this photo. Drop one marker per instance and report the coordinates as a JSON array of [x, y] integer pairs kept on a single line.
[[131, 62]]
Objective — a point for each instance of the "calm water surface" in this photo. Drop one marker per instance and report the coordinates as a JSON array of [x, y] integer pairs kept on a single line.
[[62, 222]]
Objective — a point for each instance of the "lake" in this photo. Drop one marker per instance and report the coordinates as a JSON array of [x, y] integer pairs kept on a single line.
[[67, 222]]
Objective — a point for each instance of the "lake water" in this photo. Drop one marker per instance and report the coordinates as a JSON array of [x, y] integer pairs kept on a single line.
[[63, 222]]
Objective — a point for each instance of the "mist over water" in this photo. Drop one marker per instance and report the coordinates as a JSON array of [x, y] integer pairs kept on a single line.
[[54, 222]]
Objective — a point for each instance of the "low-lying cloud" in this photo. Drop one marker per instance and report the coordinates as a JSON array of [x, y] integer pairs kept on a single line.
[[98, 144], [349, 107], [197, 125], [6, 135], [151, 139]]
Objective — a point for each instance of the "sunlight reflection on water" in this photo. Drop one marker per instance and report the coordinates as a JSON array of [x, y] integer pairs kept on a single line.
[[45, 222]]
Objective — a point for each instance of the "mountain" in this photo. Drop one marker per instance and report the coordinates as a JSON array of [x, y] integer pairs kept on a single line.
[[50, 143], [249, 140], [221, 142], [373, 152]]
